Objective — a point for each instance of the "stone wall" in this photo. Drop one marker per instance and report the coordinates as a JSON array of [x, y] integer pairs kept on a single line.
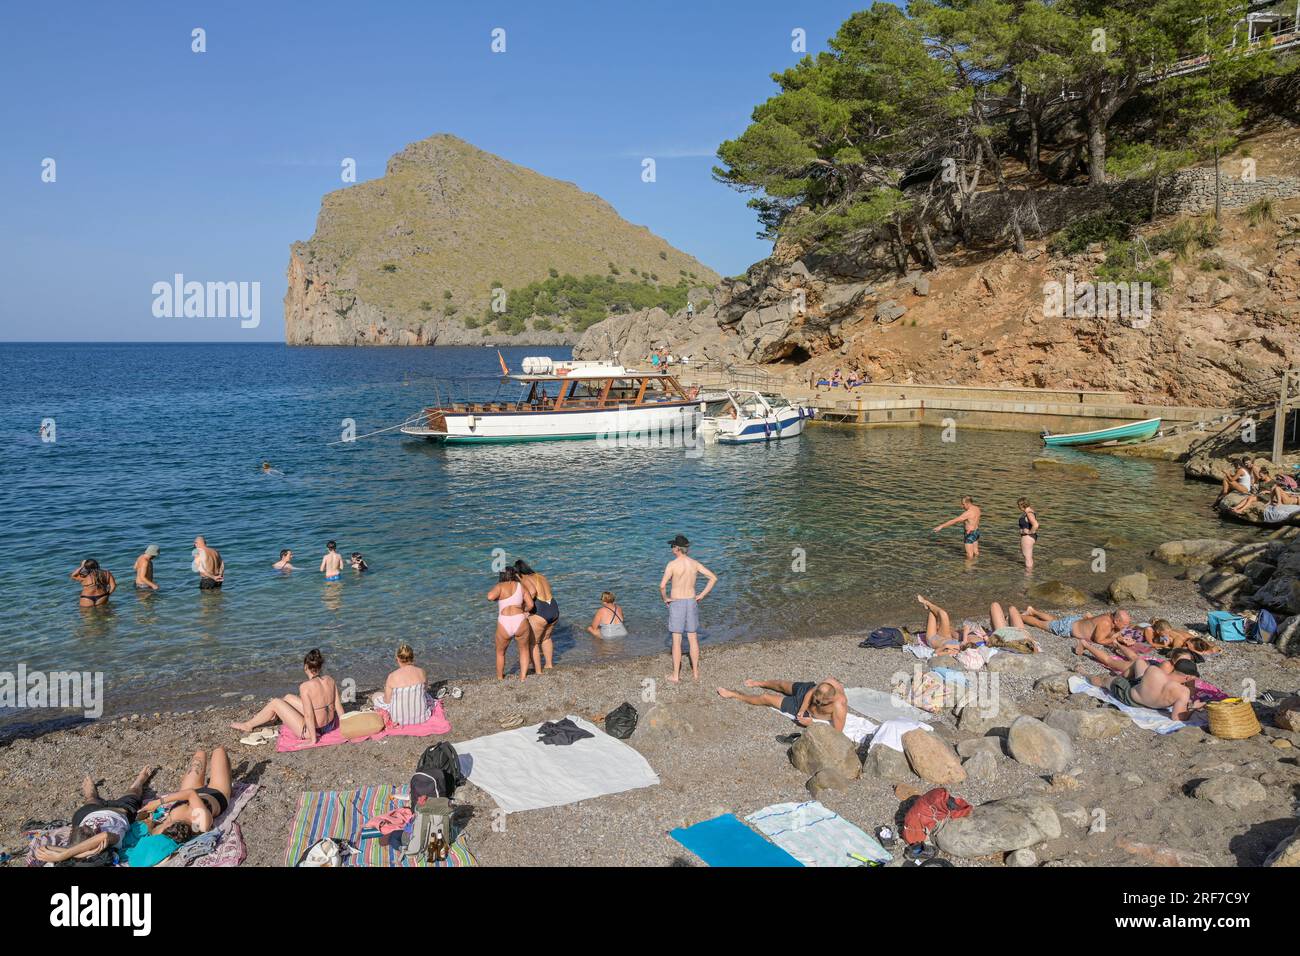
[[1186, 191]]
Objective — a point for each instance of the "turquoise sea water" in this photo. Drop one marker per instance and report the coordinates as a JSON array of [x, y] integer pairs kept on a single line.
[[157, 443]]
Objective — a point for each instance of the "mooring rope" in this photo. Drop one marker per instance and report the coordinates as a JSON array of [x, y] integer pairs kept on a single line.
[[347, 441]]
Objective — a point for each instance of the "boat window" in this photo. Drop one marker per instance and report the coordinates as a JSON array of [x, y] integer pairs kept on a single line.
[[584, 391], [543, 394], [623, 390]]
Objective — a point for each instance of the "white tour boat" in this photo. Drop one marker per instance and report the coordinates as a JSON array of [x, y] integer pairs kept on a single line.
[[744, 415], [571, 400]]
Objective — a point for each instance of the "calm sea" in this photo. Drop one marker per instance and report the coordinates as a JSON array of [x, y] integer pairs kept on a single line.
[[158, 443]]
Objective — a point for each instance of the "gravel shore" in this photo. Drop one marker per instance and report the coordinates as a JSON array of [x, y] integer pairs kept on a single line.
[[719, 756]]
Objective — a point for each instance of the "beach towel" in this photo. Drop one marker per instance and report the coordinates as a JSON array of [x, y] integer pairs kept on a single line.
[[240, 795], [856, 727], [890, 733], [880, 705], [230, 852], [923, 651], [1144, 717], [815, 835], [725, 841], [521, 773], [342, 814], [289, 742]]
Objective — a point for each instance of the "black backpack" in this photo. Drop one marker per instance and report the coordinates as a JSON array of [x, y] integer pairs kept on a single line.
[[621, 721], [438, 773]]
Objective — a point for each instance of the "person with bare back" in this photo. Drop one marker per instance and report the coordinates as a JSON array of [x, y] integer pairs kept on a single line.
[[969, 519], [683, 603]]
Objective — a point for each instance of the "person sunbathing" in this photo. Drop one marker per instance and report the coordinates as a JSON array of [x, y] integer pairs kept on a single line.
[[192, 808], [1121, 661], [1164, 635], [802, 700], [945, 640], [1100, 628], [311, 713], [406, 697], [98, 824], [1149, 685]]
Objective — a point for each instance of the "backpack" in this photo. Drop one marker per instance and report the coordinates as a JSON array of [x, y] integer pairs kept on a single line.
[[885, 637], [621, 721], [437, 775]]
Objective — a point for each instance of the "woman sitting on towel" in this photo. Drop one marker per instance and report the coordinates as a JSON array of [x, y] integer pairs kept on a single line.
[[312, 712], [406, 697], [192, 808]]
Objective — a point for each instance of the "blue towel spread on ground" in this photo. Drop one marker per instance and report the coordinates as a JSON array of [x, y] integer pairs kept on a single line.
[[725, 841]]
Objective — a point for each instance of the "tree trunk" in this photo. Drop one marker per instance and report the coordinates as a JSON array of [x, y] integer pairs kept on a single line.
[[992, 158], [1096, 118], [926, 242], [1218, 201], [1035, 121], [1155, 196]]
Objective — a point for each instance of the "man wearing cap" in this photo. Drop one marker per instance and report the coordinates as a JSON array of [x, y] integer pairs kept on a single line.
[[144, 569], [683, 610]]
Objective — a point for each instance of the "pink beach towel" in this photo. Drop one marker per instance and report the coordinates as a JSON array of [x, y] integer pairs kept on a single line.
[[436, 724]]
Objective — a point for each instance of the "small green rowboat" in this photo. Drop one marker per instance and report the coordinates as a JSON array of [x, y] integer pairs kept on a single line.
[[1128, 434]]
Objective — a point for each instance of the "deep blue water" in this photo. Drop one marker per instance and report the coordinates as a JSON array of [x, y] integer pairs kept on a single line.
[[158, 443]]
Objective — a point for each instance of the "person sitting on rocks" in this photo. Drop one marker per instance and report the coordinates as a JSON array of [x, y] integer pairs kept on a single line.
[[802, 700], [1104, 629], [1148, 685]]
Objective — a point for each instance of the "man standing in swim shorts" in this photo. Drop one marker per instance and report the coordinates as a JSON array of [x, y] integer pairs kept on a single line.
[[683, 610], [208, 566], [331, 564], [970, 520], [144, 570]]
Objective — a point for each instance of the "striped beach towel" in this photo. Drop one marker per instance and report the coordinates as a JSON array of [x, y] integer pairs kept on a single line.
[[343, 814]]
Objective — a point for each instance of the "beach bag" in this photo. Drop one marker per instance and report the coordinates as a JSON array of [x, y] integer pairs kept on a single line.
[[430, 839], [437, 775], [883, 637], [1226, 626], [621, 721], [1265, 628], [1287, 482], [928, 811]]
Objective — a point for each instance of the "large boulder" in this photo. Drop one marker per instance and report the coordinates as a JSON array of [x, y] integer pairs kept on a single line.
[[822, 747], [1033, 743], [1224, 587], [1028, 666], [1231, 791], [1129, 588], [932, 758], [1288, 636], [983, 720], [999, 827], [1097, 724], [1286, 853], [1287, 715], [983, 766], [889, 764], [1193, 551], [1057, 594]]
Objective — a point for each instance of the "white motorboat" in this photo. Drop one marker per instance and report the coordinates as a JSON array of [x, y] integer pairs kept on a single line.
[[744, 415]]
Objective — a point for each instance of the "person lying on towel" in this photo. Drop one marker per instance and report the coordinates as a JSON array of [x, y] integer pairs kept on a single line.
[[802, 700], [1148, 685]]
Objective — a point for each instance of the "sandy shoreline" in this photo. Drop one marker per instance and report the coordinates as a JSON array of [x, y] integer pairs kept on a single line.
[[718, 756]]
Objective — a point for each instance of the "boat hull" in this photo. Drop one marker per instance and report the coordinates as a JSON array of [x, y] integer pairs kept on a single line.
[[1119, 434], [783, 425], [653, 426]]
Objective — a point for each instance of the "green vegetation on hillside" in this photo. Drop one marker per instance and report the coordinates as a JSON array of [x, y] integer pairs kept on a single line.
[[889, 134], [569, 302]]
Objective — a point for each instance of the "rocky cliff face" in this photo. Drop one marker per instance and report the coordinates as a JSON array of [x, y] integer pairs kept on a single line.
[[412, 258], [1228, 322]]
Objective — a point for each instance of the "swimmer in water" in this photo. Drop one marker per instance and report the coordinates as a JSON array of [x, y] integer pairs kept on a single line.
[[285, 562], [331, 565]]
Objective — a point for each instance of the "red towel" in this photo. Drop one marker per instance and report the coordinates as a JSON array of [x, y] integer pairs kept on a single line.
[[436, 724], [928, 811]]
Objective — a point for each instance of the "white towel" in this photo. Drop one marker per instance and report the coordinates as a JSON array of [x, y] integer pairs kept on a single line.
[[890, 733], [1144, 717]]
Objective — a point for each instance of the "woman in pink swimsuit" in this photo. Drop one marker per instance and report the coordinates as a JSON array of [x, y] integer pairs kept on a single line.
[[514, 604]]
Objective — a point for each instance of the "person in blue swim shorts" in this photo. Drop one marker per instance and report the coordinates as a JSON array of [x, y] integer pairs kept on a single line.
[[970, 521]]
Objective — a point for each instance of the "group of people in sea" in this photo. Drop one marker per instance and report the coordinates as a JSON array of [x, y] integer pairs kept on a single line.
[[969, 519], [1249, 481]]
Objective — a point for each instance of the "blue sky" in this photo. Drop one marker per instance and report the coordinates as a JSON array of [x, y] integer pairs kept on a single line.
[[211, 164]]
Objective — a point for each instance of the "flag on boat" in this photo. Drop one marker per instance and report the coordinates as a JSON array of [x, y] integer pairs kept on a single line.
[[501, 359]]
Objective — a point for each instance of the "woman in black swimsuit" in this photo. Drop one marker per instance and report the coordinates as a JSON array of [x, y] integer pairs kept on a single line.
[[546, 611], [1028, 531], [193, 805], [96, 583]]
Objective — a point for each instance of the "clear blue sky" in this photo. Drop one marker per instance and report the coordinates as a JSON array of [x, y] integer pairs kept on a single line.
[[211, 164]]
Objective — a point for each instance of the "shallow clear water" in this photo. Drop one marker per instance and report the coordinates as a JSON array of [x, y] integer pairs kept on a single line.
[[160, 443]]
